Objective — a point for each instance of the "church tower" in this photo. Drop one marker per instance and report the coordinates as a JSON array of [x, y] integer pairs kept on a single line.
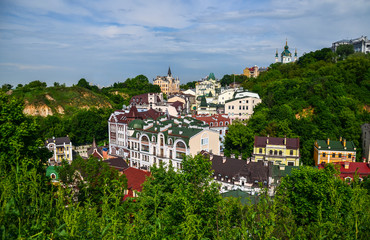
[[286, 55], [276, 56]]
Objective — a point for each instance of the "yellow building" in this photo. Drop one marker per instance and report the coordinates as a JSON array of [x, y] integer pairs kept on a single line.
[[282, 150], [334, 151], [168, 84], [61, 149], [251, 72]]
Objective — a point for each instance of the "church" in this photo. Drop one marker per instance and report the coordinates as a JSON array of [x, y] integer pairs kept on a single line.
[[286, 55]]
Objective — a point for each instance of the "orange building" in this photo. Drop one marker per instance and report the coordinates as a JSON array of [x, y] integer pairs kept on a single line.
[[334, 151]]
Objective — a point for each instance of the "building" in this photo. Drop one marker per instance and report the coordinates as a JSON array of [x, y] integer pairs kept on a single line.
[[348, 170], [61, 148], [209, 86], [216, 122], [117, 128], [331, 151], [118, 163], [251, 72], [241, 105], [286, 55], [167, 140], [168, 84], [53, 173], [248, 176], [135, 179], [365, 128], [281, 150], [226, 95], [147, 101], [361, 44]]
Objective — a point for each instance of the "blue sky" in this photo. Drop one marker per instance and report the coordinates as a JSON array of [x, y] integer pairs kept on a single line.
[[112, 40]]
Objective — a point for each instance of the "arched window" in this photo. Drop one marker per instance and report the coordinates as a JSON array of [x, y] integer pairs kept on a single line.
[[153, 138], [271, 152], [280, 153], [220, 123], [53, 176], [211, 124], [275, 152], [170, 142]]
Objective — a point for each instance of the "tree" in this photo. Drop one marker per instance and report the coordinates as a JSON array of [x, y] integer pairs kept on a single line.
[[19, 144], [345, 50], [83, 83], [6, 87], [239, 139]]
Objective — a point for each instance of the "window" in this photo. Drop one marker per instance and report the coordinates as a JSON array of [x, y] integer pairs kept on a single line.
[[349, 155], [333, 155], [232, 107], [339, 155], [290, 163], [324, 154], [53, 176], [229, 107], [240, 107], [240, 101], [204, 141], [271, 152], [280, 153], [260, 150], [220, 123], [220, 132], [291, 152], [275, 152]]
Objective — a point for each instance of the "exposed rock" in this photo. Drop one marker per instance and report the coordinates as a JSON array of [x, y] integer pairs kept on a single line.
[[49, 97], [60, 110], [42, 110]]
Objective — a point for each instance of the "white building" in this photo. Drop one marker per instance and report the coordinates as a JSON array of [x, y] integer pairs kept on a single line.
[[286, 55], [61, 148], [242, 105], [361, 44]]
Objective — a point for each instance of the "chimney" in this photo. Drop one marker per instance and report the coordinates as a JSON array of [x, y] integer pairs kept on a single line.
[[285, 140], [340, 138], [240, 157], [223, 159], [346, 165], [267, 140], [210, 156], [232, 155], [344, 142], [328, 141]]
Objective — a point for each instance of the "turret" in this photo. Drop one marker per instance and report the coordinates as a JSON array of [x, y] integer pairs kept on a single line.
[[276, 56]]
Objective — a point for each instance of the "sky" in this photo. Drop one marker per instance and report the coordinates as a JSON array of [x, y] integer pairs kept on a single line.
[[109, 41]]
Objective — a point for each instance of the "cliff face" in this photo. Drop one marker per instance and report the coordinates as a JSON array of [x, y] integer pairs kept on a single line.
[[61, 101]]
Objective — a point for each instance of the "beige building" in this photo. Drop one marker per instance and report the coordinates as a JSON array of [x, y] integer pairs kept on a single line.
[[168, 84], [242, 105], [208, 86], [168, 141], [251, 72], [61, 148]]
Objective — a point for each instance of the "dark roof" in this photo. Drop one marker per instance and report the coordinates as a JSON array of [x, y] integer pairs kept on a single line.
[[118, 163], [176, 104], [58, 141], [95, 151], [140, 99], [232, 168], [135, 114], [291, 143]]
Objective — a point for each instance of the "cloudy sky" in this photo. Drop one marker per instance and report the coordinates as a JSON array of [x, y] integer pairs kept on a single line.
[[109, 41]]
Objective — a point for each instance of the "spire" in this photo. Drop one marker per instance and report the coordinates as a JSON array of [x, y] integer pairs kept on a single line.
[[286, 42], [94, 143], [295, 54], [169, 72]]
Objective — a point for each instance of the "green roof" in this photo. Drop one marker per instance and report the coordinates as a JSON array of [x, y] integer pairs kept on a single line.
[[52, 170], [336, 145], [245, 198], [136, 124]]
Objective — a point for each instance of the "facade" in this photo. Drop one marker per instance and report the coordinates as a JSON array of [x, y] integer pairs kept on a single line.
[[226, 95], [147, 101], [208, 86], [365, 128], [167, 140], [334, 151], [242, 105], [286, 55], [61, 149], [361, 44], [251, 72], [348, 170], [168, 84], [117, 128], [281, 150], [216, 122]]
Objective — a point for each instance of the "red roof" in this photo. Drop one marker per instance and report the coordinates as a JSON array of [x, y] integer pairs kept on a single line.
[[135, 178], [363, 169], [291, 143], [135, 114], [216, 118]]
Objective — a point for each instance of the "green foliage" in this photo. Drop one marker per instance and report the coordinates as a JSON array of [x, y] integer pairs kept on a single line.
[[345, 50], [239, 139], [188, 85]]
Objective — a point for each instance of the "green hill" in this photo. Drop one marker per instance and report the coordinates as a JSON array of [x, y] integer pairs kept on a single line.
[[317, 97], [47, 101]]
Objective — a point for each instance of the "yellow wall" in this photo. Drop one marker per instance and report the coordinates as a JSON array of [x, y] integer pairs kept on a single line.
[[213, 142]]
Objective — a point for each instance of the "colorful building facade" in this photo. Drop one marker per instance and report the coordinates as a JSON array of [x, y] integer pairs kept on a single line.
[[331, 151]]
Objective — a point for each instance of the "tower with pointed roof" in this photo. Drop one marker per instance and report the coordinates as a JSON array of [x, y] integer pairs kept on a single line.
[[286, 55], [168, 84]]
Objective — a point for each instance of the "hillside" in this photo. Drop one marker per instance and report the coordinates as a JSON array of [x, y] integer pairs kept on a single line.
[[316, 98], [60, 100]]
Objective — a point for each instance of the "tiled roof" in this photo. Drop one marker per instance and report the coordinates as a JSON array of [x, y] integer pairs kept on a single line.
[[135, 178], [58, 141], [118, 162], [291, 143], [336, 145], [140, 99], [213, 119], [362, 168]]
